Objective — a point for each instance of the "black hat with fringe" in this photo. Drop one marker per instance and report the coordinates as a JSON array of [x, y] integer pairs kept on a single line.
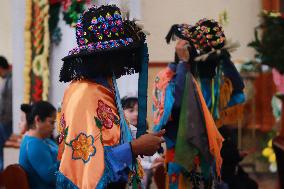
[[107, 44]]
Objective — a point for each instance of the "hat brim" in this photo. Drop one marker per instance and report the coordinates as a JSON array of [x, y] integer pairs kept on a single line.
[[130, 47]]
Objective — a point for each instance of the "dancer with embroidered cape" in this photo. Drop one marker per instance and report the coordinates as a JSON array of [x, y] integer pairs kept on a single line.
[[96, 147]]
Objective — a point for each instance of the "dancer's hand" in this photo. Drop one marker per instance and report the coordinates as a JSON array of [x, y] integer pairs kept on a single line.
[[147, 144]]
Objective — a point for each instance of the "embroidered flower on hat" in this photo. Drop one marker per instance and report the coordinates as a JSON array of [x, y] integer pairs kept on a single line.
[[105, 25], [101, 19], [79, 24], [117, 15], [108, 16], [94, 20], [80, 32], [110, 23], [101, 28], [81, 41]]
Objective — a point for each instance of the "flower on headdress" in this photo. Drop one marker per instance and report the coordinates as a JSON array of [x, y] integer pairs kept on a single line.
[[101, 19], [83, 147], [116, 15], [114, 29], [79, 25], [109, 17], [111, 43], [105, 25], [110, 23], [216, 29], [90, 28], [209, 36], [106, 32], [99, 45], [118, 22], [82, 41], [106, 116], [94, 20], [80, 32], [90, 47]]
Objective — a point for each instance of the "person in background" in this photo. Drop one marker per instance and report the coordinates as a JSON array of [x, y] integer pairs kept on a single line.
[[23, 124], [232, 173], [38, 153], [130, 108], [5, 105], [149, 163], [15, 139]]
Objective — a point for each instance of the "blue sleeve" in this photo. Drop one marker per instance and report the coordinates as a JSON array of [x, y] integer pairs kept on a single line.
[[42, 162], [119, 159], [179, 80], [232, 73]]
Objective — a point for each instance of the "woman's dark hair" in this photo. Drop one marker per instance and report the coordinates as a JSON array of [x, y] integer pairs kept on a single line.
[[3, 62], [26, 108], [42, 108], [129, 102]]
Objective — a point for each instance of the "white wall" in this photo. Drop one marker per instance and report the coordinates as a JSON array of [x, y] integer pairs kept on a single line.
[[159, 15], [68, 41], [5, 34], [6, 30], [18, 21]]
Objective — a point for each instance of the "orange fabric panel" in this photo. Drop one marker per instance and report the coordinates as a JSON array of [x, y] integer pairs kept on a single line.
[[80, 107], [215, 139]]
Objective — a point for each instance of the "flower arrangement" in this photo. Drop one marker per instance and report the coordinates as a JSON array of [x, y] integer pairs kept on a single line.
[[37, 42], [269, 154]]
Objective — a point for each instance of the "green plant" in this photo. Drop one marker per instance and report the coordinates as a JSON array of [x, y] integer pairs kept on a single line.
[[269, 45]]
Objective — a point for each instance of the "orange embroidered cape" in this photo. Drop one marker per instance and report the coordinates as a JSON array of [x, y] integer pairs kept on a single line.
[[89, 121]]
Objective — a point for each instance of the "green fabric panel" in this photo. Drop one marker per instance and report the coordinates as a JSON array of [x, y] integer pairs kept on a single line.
[[184, 152]]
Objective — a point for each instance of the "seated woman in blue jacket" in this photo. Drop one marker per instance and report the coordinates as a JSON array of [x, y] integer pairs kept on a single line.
[[38, 153]]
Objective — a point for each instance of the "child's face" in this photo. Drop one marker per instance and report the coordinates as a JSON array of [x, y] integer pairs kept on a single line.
[[131, 115]]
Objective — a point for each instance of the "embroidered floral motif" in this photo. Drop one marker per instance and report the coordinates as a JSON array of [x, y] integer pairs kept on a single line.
[[83, 147], [105, 117], [62, 129]]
